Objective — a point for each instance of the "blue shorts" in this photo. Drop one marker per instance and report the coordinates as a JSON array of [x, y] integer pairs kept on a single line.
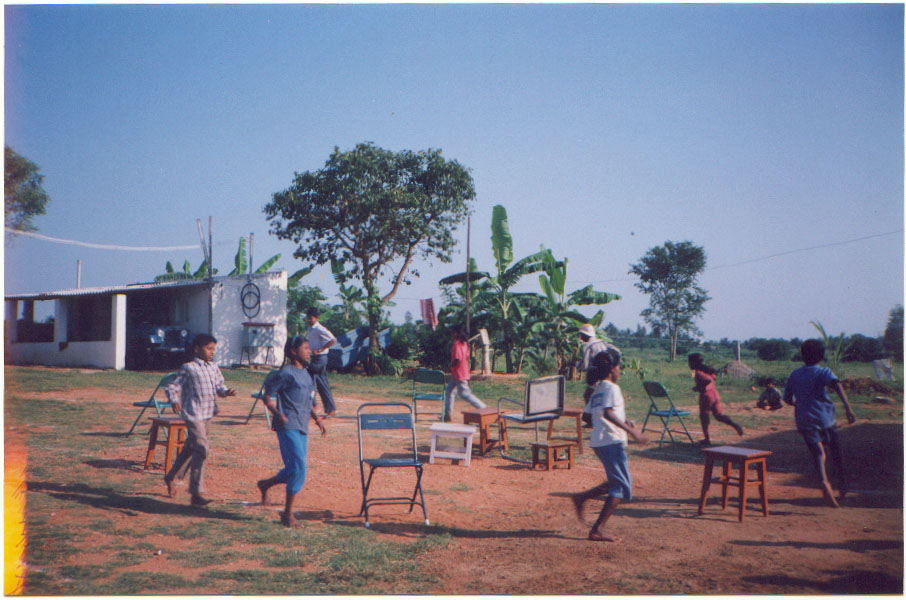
[[616, 465], [816, 436], [294, 450]]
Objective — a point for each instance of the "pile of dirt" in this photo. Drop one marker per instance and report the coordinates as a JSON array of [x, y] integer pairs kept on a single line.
[[868, 386]]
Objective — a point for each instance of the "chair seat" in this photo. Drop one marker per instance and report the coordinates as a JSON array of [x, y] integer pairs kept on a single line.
[[429, 397], [670, 413], [150, 403], [392, 462], [521, 418]]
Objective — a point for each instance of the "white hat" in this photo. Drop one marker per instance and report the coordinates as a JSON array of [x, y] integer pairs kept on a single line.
[[589, 330]]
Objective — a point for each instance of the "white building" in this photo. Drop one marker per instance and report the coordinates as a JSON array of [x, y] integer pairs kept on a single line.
[[246, 313]]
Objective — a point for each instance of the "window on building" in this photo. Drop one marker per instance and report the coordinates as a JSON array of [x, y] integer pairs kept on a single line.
[[90, 319]]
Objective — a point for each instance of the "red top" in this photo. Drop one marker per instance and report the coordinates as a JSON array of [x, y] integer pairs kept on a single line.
[[460, 371], [704, 385]]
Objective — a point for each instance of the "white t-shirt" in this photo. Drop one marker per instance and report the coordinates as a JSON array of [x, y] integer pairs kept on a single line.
[[318, 336], [607, 395]]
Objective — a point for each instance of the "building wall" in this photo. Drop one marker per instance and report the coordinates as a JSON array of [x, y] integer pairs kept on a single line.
[[108, 354], [229, 317]]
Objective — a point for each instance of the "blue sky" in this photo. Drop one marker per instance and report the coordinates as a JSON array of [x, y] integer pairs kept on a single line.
[[771, 135]]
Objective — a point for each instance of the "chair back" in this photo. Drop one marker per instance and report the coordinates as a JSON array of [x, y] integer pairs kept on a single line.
[[655, 390], [369, 419], [545, 395], [429, 376], [270, 375], [164, 382]]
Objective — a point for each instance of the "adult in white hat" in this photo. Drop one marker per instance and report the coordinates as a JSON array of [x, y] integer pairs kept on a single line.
[[591, 346]]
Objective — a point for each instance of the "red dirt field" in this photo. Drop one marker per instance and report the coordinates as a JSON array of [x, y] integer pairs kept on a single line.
[[515, 531]]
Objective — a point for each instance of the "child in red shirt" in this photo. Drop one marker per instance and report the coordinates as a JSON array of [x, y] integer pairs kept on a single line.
[[708, 397], [459, 374]]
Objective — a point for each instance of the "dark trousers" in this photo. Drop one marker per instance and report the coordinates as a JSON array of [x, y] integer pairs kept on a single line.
[[317, 368]]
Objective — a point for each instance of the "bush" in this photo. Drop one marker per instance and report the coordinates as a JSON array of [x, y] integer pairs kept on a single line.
[[433, 347], [863, 349], [772, 350], [403, 342]]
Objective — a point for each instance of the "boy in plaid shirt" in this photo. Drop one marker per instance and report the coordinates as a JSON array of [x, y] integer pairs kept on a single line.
[[194, 395]]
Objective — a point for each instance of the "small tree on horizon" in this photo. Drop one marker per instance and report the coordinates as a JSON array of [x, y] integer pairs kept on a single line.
[[23, 195], [669, 275]]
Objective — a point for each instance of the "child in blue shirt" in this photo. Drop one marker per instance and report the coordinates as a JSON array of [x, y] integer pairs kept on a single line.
[[815, 417], [294, 391]]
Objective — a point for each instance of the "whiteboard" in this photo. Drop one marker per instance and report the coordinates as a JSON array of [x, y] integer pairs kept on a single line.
[[544, 395]]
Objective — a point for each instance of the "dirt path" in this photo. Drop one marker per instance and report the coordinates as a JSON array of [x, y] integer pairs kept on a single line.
[[515, 532]]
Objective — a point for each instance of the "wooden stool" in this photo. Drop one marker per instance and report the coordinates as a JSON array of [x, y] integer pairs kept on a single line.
[[742, 458], [569, 412], [484, 418], [452, 430], [552, 454], [175, 433]]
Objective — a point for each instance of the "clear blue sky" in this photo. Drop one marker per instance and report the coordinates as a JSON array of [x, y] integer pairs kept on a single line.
[[605, 130]]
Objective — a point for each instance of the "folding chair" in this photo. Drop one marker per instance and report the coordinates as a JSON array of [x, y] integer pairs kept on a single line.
[[153, 401], [425, 387], [656, 390], [369, 421], [260, 396], [543, 401]]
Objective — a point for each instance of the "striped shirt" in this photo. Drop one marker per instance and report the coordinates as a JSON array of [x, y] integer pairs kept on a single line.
[[198, 384]]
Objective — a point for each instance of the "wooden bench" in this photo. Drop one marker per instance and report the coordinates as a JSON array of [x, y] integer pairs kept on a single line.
[[741, 458], [484, 418], [452, 430], [552, 454], [174, 437], [569, 412]]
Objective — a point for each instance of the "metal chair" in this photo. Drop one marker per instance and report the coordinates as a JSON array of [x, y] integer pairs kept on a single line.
[[391, 418], [158, 405], [656, 390], [543, 401], [260, 396], [425, 387]]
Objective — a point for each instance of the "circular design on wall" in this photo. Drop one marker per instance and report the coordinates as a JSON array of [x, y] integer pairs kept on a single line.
[[250, 296]]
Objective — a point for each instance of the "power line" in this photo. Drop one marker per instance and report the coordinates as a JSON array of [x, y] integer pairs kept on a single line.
[[96, 246]]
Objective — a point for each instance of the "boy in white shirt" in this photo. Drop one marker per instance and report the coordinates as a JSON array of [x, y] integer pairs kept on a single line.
[[608, 439]]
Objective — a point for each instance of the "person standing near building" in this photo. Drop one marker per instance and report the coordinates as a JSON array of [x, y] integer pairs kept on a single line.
[[193, 394], [591, 346], [320, 339]]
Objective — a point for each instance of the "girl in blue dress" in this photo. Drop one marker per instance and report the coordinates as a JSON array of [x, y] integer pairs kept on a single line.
[[289, 396]]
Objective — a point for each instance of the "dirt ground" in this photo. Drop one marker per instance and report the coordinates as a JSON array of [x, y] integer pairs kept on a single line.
[[515, 531]]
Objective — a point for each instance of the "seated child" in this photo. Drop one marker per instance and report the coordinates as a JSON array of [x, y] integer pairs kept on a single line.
[[770, 398]]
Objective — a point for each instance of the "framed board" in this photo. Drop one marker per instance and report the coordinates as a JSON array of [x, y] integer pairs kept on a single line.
[[544, 395]]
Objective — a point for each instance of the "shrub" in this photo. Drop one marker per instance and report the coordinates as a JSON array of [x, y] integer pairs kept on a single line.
[[772, 350]]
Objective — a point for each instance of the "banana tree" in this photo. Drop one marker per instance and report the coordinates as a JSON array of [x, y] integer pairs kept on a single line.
[[562, 320], [508, 275], [835, 347], [172, 274], [242, 264]]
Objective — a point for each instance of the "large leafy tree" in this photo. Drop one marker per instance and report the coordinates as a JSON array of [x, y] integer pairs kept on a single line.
[[23, 195], [669, 275], [893, 333], [374, 212]]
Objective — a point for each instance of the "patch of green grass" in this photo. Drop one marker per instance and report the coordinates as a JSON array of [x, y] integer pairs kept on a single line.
[[235, 575], [288, 558], [204, 557], [137, 582], [460, 487]]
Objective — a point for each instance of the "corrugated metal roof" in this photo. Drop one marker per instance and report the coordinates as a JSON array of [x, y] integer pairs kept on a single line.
[[117, 289]]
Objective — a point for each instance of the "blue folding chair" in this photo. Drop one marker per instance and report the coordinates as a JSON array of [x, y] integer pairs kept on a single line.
[[369, 422], [260, 396], [158, 405], [656, 390], [429, 385]]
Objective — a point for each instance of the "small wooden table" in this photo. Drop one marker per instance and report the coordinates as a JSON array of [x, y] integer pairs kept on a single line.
[[569, 412], [552, 456], [175, 433], [452, 430], [484, 418], [742, 458]]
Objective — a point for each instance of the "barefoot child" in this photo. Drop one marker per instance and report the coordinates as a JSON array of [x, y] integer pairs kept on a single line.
[[294, 391], [770, 397], [708, 397], [806, 389], [608, 437]]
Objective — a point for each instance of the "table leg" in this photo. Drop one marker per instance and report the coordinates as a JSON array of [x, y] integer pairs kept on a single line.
[[152, 442], [761, 466], [171, 446], [706, 483], [569, 450], [579, 432], [743, 478], [504, 439], [725, 481]]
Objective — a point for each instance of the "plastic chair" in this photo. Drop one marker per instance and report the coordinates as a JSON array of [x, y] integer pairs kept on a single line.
[[657, 391], [369, 422], [425, 387], [158, 405], [543, 401], [260, 396]]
